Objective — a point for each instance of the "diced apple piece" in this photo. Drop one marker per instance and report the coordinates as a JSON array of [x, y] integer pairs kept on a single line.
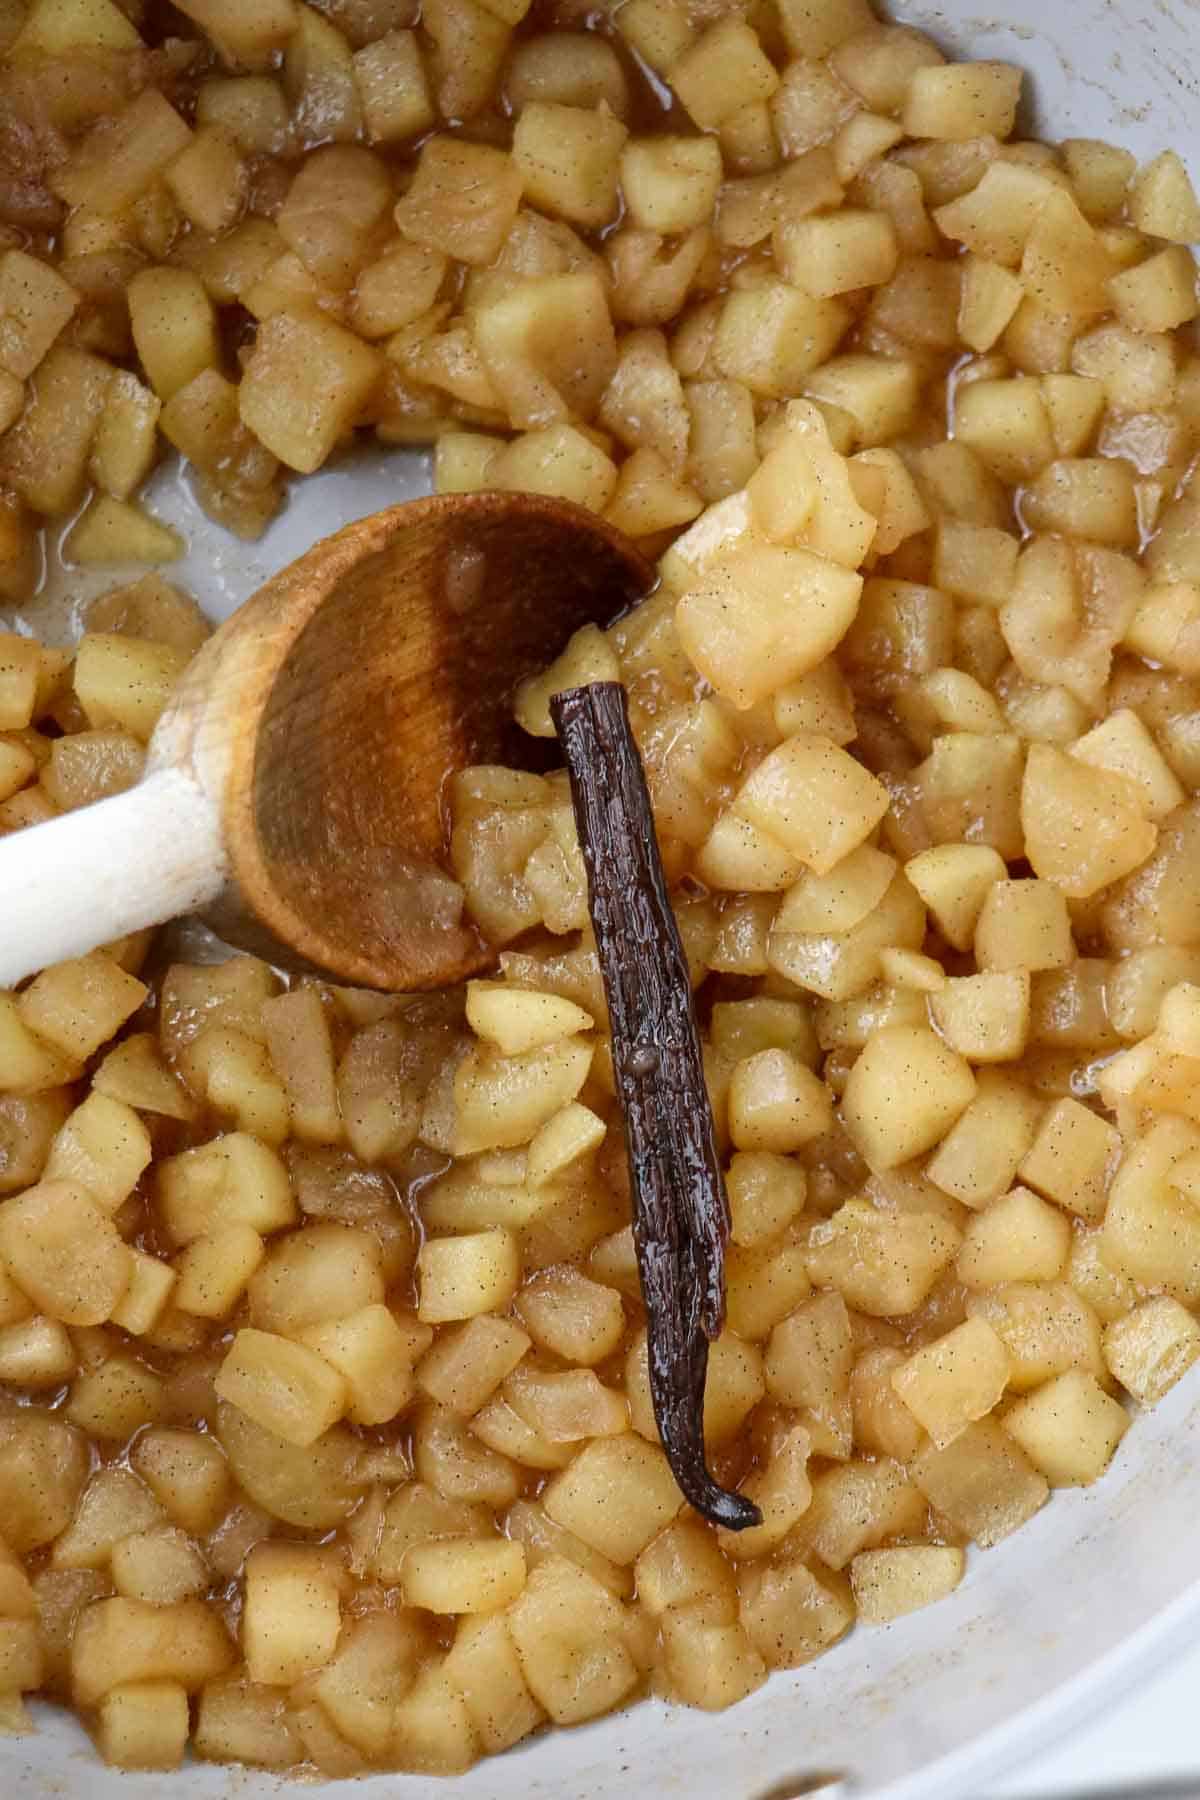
[[1163, 202], [954, 1380], [1069, 1428], [1152, 1347], [904, 1093], [304, 385], [887, 1584]]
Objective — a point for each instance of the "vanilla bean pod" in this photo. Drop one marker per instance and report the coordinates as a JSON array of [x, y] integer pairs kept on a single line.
[[680, 1209]]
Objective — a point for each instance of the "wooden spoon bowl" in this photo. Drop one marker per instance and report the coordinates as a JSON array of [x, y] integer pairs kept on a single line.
[[299, 772]]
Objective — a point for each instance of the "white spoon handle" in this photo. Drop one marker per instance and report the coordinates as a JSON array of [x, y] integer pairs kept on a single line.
[[96, 874]]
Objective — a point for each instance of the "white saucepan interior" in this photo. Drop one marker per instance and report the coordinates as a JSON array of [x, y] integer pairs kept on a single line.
[[1104, 1585]]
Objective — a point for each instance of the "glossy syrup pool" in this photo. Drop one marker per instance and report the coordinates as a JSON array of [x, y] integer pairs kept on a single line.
[[218, 569]]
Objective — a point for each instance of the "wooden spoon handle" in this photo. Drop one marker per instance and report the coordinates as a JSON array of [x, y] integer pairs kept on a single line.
[[96, 874]]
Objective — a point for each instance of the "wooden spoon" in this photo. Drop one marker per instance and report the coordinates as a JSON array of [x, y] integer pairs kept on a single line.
[[294, 787]]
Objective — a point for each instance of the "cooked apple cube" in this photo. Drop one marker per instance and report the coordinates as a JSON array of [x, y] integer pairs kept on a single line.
[[721, 72], [1005, 422], [466, 1366], [962, 100], [484, 1667], [1163, 202], [126, 442], [318, 79], [214, 1271], [45, 454], [125, 681], [161, 1566], [459, 1277], [1017, 1238], [781, 1490], [776, 1103], [815, 27], [1072, 1158], [658, 30], [123, 156], [772, 336], [114, 1505], [1137, 369], [879, 394], [1069, 1428], [58, 27], [1083, 828], [887, 1584], [560, 462], [291, 1612], [432, 1728], [174, 327], [789, 1614], [814, 800], [36, 1353], [392, 80], [20, 670], [187, 1472], [116, 1399], [808, 1365], [232, 1180], [1074, 404], [1152, 1347], [117, 531], [208, 180], [324, 1272], [284, 1387], [118, 1641], [904, 1093], [374, 1666], [1023, 925], [549, 347], [572, 1316], [501, 1101], [35, 305], [571, 1637], [710, 1664], [462, 201], [251, 109], [670, 184], [991, 295], [1122, 744], [1092, 498], [103, 1147], [374, 1353], [983, 1482], [151, 1283], [234, 1073], [792, 609], [1047, 1328], [396, 290], [615, 1494], [954, 1380], [836, 253], [64, 1253], [1158, 294], [144, 1725], [984, 1017], [571, 1134], [304, 385], [462, 1576], [28, 1065], [517, 1019], [246, 39], [301, 1049]]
